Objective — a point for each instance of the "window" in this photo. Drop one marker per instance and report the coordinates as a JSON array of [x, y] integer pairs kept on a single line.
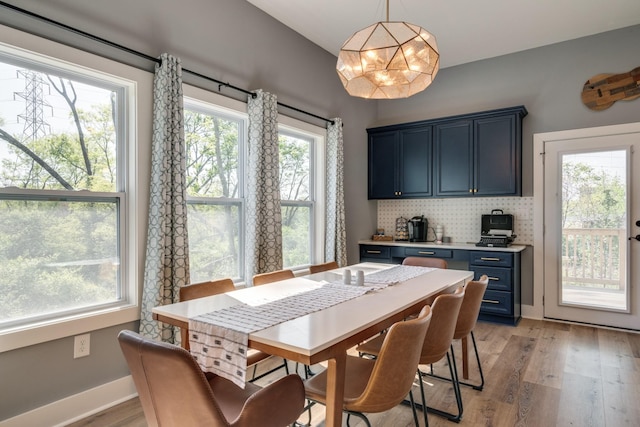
[[67, 233], [214, 146], [296, 190], [215, 135]]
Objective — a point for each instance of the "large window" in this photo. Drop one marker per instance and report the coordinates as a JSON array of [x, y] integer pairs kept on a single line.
[[214, 145], [215, 134], [296, 191], [63, 196]]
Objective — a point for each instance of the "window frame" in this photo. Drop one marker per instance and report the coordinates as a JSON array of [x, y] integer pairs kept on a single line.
[[137, 91]]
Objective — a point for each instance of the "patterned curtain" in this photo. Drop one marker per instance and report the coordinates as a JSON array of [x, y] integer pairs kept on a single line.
[[336, 240], [263, 245], [167, 260]]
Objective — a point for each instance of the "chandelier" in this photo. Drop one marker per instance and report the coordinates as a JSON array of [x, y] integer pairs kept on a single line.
[[388, 60]]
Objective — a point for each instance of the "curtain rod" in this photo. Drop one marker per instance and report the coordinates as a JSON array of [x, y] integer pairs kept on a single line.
[[147, 57]]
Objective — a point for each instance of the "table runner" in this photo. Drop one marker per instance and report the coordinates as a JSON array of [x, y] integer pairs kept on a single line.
[[219, 340]]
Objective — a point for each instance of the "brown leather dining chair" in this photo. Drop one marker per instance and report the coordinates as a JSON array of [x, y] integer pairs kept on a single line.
[[377, 385], [215, 287], [199, 290], [272, 276], [420, 261], [437, 344], [174, 391], [318, 268], [467, 319]]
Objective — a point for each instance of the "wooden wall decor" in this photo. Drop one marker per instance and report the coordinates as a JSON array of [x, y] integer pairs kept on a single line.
[[602, 91]]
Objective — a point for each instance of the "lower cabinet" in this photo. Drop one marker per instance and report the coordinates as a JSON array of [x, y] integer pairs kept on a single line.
[[501, 302], [375, 253]]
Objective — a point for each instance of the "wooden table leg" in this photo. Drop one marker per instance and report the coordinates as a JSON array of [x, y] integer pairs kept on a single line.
[[335, 390], [465, 358]]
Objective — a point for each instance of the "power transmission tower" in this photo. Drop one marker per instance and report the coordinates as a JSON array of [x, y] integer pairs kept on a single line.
[[35, 125]]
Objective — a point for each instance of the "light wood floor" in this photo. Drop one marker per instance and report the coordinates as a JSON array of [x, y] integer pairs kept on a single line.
[[537, 374]]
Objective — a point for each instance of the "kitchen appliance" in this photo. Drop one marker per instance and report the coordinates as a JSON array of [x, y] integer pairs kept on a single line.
[[497, 230], [418, 229]]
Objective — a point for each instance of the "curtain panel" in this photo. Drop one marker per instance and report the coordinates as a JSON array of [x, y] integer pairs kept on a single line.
[[167, 254], [263, 245], [336, 238]]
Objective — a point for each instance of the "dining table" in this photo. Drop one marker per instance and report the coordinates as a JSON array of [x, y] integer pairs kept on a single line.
[[327, 334]]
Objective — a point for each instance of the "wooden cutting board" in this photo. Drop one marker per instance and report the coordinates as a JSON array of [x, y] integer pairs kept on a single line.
[[602, 91]]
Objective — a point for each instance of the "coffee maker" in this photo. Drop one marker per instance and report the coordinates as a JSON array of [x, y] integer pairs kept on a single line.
[[417, 229]]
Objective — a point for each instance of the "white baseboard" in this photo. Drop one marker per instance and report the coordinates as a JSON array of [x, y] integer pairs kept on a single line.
[[76, 407]]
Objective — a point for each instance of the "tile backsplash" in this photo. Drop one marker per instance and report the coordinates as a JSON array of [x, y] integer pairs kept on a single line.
[[460, 217]]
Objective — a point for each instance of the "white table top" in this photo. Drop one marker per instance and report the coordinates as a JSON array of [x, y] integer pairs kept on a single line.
[[315, 332]]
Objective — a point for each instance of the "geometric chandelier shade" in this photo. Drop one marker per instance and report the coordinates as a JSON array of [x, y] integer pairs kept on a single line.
[[388, 60]]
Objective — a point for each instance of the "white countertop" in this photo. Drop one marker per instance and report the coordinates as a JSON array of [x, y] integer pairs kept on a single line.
[[433, 245]]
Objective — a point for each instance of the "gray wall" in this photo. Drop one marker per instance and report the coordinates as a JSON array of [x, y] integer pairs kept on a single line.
[[547, 81], [231, 40]]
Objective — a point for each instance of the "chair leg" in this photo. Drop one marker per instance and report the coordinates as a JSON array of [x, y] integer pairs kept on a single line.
[[456, 391], [360, 415], [413, 410], [475, 348], [424, 400], [478, 387], [264, 374]]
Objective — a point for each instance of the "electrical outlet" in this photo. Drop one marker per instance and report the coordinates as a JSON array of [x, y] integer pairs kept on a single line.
[[81, 345]]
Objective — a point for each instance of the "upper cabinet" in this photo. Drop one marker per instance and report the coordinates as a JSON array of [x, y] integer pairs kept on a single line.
[[476, 154], [400, 163]]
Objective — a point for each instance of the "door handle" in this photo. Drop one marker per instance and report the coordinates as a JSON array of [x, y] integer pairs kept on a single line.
[[637, 237]]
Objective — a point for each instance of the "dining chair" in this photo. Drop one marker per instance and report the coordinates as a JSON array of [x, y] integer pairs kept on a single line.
[[199, 290], [317, 268], [272, 276], [377, 385], [420, 261], [437, 344], [174, 391], [215, 287], [467, 319]]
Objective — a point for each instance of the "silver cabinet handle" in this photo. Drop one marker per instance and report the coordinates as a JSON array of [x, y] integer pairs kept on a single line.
[[490, 301], [490, 259], [494, 278], [426, 253], [374, 252]]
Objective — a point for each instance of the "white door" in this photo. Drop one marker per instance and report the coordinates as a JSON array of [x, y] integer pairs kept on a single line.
[[591, 220]]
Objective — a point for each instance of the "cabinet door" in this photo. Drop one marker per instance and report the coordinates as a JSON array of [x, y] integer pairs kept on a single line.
[[415, 163], [383, 165], [453, 158], [497, 156]]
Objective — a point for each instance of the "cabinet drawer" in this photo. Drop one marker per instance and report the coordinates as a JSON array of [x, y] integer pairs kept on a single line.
[[381, 252], [496, 259], [497, 302], [499, 278], [429, 252]]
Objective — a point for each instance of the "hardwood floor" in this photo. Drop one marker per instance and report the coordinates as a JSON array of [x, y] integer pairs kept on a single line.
[[537, 374]]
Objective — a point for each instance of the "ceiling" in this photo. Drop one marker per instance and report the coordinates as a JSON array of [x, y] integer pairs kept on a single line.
[[466, 30]]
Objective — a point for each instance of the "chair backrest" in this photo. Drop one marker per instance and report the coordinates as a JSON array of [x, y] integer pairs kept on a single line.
[[273, 276], [331, 265], [425, 262], [473, 293], [172, 388], [199, 290], [445, 310], [395, 369]]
